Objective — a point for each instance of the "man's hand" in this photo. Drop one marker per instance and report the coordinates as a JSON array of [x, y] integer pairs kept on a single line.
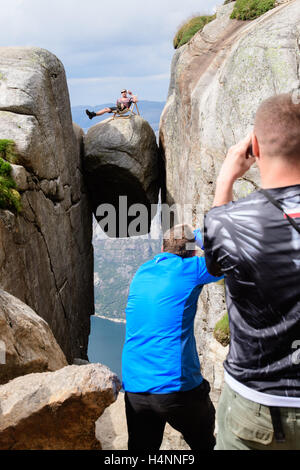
[[236, 164]]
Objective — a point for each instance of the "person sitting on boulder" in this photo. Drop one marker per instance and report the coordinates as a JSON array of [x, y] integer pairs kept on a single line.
[[122, 103]]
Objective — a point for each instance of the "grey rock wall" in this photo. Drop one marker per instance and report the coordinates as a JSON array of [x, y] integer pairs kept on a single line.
[[121, 158], [56, 410], [27, 343], [218, 80], [46, 255]]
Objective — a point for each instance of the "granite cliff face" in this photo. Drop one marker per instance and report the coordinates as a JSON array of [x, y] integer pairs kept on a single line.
[[218, 80], [46, 254], [27, 343]]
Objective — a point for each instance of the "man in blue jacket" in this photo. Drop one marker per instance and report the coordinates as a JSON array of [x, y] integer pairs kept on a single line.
[[160, 365]]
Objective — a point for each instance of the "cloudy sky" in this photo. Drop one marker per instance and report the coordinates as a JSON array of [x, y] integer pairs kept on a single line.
[[105, 45]]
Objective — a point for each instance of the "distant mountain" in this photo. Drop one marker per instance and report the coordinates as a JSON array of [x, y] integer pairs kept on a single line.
[[149, 110]]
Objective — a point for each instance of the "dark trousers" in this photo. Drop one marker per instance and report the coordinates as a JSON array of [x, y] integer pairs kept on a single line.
[[191, 413]]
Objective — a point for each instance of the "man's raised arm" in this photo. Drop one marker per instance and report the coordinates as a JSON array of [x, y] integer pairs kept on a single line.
[[236, 164], [134, 98]]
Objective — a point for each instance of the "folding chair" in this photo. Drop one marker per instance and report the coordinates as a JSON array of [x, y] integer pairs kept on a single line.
[[127, 112]]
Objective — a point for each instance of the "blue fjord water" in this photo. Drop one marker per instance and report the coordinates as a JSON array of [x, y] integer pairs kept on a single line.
[[106, 343]]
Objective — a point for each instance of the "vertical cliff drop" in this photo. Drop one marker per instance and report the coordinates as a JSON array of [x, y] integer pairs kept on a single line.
[[46, 254]]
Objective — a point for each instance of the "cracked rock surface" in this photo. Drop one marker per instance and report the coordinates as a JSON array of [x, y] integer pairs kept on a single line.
[[46, 255], [217, 82], [27, 342], [56, 410]]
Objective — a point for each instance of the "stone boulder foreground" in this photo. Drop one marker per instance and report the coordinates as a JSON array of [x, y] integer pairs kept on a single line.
[[27, 343], [56, 410], [46, 253], [121, 158]]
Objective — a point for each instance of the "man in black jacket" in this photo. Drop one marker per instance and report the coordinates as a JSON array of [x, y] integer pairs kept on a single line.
[[255, 242]]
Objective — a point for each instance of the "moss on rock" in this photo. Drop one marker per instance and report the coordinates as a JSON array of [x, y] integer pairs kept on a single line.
[[8, 150], [251, 9], [222, 332], [9, 196], [190, 28]]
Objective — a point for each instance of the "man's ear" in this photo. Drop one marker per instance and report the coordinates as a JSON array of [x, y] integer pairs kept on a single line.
[[162, 248], [255, 146]]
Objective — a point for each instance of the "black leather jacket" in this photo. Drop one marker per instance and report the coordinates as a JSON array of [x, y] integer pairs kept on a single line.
[[257, 249]]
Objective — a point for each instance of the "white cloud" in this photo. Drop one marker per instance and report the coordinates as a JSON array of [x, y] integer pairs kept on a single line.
[[93, 91], [95, 20], [89, 80], [100, 38]]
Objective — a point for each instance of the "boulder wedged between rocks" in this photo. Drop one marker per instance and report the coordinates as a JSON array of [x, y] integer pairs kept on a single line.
[[121, 158]]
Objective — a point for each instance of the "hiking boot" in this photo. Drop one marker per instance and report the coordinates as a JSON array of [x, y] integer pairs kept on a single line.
[[90, 114]]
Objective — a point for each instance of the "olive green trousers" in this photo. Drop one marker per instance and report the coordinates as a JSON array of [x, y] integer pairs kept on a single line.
[[246, 425]]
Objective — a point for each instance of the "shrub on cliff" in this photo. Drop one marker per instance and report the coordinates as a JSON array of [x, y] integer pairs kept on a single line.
[[222, 332], [9, 196], [251, 9], [7, 150], [190, 28]]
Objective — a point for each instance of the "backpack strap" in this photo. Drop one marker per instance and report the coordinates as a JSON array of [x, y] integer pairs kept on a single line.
[[279, 206]]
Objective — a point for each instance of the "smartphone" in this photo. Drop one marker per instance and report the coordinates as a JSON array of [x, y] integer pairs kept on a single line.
[[249, 152]]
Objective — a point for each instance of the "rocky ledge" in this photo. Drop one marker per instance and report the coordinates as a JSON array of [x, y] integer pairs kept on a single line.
[[27, 343], [56, 410]]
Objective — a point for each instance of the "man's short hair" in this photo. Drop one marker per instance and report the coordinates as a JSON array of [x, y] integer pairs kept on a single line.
[[277, 127], [180, 240]]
